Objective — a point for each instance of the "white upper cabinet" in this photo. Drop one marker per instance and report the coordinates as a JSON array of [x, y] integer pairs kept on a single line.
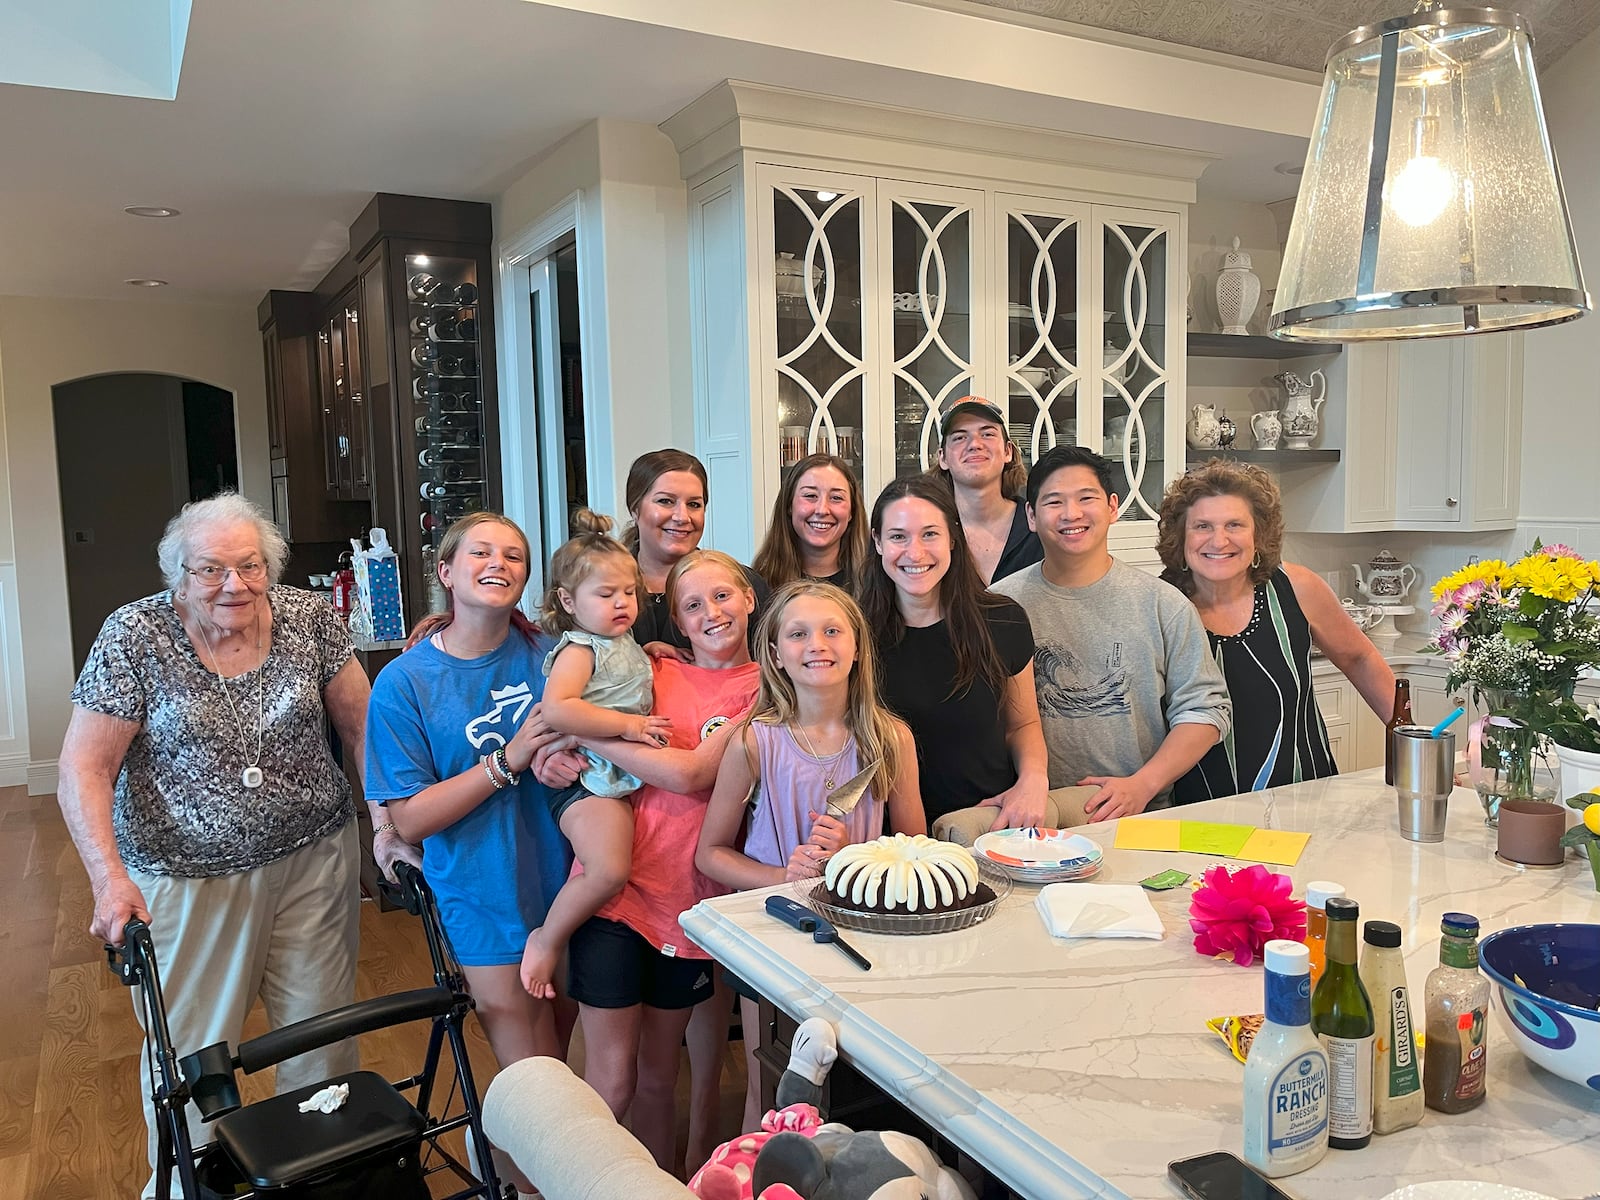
[[1431, 432], [855, 270]]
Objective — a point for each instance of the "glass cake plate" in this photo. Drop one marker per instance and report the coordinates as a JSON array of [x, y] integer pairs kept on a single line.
[[910, 923]]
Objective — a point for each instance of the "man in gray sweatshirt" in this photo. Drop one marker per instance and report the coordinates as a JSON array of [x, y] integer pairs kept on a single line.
[[1129, 693]]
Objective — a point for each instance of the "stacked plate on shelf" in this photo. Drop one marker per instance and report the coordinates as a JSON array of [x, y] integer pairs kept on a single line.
[[1040, 855]]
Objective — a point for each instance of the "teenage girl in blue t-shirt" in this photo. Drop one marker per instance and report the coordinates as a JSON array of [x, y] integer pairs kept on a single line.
[[453, 730]]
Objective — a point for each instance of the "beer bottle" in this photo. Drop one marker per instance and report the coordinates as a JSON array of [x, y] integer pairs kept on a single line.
[[1402, 716]]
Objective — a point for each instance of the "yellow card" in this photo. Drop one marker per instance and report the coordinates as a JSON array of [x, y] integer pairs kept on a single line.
[[1136, 834], [1278, 846], [1211, 837]]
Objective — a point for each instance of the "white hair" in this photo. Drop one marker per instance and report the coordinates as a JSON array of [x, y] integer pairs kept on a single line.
[[225, 508]]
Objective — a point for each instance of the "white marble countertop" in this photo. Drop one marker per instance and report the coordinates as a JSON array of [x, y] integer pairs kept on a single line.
[[1081, 1068]]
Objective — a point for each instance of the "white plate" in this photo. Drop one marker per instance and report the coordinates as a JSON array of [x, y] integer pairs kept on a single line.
[[1038, 850], [1463, 1190]]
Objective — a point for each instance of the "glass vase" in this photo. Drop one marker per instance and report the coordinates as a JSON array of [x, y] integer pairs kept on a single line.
[[1509, 760]]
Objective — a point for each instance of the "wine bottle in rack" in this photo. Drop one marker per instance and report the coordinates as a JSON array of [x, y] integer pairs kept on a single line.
[[439, 491], [468, 360], [447, 364], [466, 293], [467, 329], [425, 388], [443, 328], [421, 323], [439, 454], [422, 286], [460, 473], [424, 355]]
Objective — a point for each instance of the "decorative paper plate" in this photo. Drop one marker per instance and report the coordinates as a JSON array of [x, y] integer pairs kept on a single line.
[[1038, 849], [1463, 1190], [910, 923]]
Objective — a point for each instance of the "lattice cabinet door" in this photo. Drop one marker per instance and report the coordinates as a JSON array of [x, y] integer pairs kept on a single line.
[[1135, 411], [814, 236], [1040, 306], [931, 277]]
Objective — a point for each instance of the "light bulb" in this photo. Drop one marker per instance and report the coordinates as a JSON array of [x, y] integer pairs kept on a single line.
[[1421, 191], [824, 197]]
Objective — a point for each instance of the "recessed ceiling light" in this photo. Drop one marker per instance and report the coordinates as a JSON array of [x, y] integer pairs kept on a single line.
[[1290, 168], [141, 210], [146, 282]]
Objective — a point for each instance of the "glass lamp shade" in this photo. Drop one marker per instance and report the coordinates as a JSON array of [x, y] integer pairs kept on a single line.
[[1430, 203]]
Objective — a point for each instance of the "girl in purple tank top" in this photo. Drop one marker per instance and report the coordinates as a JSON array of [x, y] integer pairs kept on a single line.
[[815, 724]]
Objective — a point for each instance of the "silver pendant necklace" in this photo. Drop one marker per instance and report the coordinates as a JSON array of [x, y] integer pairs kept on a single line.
[[828, 764], [252, 776]]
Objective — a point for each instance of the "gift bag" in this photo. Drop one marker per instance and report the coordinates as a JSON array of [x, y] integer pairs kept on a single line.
[[377, 614]]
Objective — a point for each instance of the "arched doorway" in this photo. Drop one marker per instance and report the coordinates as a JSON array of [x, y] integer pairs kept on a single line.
[[132, 448]]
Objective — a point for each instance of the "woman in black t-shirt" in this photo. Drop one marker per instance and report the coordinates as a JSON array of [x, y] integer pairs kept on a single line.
[[819, 526], [956, 660]]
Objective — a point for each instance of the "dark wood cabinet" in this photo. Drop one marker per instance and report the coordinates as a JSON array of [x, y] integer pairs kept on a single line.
[[381, 387], [302, 508]]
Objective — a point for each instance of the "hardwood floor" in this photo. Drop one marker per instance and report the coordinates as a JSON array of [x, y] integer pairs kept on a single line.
[[71, 1127]]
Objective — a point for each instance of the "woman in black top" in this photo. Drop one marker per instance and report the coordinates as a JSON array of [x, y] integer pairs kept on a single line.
[[819, 526], [666, 496], [956, 660]]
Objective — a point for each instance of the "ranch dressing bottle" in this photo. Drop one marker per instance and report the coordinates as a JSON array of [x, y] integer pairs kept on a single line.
[[1286, 1074], [1396, 1070]]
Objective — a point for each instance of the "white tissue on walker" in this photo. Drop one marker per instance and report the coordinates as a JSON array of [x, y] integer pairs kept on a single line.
[[329, 1099]]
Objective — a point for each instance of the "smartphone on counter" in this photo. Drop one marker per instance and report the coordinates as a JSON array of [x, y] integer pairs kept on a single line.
[[1223, 1176]]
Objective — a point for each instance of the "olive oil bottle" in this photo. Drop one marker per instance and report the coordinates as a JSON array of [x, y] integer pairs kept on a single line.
[[1341, 1016]]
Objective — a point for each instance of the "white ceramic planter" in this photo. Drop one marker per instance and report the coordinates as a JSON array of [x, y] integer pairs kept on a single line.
[[1580, 771]]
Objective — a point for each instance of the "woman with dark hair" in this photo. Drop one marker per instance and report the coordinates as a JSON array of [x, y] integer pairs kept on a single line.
[[1221, 541], [666, 495], [819, 526], [957, 660]]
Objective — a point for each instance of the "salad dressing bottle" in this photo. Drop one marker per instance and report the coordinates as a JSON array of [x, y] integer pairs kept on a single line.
[[1455, 1066], [1286, 1073], [1396, 1070]]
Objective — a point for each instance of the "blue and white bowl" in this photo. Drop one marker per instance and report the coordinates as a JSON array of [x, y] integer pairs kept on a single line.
[[1551, 1013]]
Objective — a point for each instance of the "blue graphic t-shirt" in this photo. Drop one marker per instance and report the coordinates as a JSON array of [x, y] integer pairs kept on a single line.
[[432, 716]]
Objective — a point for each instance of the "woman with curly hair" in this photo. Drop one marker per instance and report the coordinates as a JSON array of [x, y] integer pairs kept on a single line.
[[819, 526], [1221, 541]]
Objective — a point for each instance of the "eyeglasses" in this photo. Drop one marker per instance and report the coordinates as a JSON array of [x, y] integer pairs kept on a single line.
[[210, 576]]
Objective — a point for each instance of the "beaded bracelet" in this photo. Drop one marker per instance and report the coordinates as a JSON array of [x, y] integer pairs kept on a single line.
[[386, 827], [501, 761], [486, 762]]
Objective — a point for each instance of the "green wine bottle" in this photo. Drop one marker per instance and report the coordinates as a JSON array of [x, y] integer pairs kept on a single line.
[[1341, 1016]]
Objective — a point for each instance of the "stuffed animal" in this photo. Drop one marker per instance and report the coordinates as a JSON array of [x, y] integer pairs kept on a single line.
[[797, 1157]]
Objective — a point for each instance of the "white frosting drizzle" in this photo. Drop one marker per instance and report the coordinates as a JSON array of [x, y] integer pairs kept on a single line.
[[913, 873]]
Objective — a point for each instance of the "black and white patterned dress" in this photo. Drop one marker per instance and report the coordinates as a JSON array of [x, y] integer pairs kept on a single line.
[[181, 807]]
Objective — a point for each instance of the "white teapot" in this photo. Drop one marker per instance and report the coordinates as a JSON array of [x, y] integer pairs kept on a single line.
[[1387, 580], [1204, 431], [1306, 397]]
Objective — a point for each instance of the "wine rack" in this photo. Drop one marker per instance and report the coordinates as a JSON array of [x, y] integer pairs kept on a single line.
[[449, 449]]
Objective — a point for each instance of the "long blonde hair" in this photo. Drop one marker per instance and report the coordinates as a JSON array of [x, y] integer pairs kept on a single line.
[[875, 728]]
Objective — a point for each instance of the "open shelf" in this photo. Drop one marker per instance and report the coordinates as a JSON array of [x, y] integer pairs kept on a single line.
[[1282, 458], [1229, 345]]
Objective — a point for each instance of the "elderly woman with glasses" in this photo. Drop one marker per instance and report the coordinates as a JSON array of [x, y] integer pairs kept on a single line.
[[200, 789]]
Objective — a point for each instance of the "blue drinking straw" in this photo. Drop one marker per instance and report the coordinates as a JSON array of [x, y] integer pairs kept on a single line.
[[1446, 723]]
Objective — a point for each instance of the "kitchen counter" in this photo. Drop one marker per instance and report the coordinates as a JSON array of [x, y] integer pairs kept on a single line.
[[1080, 1068]]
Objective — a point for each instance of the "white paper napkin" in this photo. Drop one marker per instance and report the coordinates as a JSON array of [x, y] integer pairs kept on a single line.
[[1108, 910], [329, 1099]]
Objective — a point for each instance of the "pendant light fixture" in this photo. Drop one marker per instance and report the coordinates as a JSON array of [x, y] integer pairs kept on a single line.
[[1430, 203]]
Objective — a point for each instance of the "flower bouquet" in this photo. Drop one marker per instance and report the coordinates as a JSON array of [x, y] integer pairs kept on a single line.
[[1520, 635]]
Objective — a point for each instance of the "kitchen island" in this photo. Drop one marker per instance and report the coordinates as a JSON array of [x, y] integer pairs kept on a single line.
[[1080, 1068]]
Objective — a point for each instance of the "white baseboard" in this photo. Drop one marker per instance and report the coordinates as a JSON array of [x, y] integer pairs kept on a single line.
[[43, 776], [13, 769]]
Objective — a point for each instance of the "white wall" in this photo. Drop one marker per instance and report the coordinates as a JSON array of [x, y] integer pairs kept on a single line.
[[46, 341], [633, 290], [1561, 392]]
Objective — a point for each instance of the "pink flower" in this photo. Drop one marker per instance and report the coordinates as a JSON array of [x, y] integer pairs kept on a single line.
[[1559, 550], [1234, 914]]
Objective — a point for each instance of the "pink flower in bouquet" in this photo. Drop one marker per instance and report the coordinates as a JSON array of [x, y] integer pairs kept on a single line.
[[1235, 913]]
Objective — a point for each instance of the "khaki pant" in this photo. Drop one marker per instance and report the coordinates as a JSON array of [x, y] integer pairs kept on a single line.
[[284, 933]]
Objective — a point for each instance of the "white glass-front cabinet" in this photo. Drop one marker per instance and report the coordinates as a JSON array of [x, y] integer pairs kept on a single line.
[[877, 303]]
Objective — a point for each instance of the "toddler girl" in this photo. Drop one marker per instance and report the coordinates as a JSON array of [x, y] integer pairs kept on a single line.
[[598, 685]]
